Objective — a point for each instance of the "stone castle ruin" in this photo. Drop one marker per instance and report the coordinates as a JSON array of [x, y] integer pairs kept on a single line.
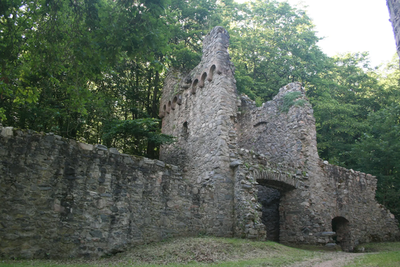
[[236, 170], [234, 153]]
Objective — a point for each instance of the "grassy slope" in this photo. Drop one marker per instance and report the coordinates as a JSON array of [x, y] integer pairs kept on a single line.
[[217, 251]]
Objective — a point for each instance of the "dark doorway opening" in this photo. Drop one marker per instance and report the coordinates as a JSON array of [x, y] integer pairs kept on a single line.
[[341, 226], [269, 198]]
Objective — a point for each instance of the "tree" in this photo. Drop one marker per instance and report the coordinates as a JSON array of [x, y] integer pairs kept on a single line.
[[342, 96], [378, 153], [272, 44]]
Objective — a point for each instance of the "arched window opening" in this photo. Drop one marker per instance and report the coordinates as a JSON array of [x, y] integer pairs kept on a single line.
[[174, 101], [203, 79], [187, 83], [185, 130], [179, 101], [194, 86], [211, 73], [169, 107]]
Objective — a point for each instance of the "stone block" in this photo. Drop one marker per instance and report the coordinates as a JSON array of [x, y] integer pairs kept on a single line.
[[7, 132], [113, 150], [101, 147]]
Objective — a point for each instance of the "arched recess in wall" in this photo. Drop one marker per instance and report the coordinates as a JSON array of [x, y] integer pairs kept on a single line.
[[211, 73], [185, 130], [169, 107], [341, 226], [194, 86], [174, 102], [164, 111], [203, 79]]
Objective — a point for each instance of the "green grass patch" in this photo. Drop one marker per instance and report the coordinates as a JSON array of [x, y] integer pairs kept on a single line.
[[200, 251], [289, 101], [382, 259], [212, 251]]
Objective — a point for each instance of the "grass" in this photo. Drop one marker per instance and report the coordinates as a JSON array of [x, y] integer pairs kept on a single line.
[[382, 259], [201, 251], [212, 251], [385, 254]]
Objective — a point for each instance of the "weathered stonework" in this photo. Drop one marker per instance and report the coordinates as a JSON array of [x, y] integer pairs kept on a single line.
[[227, 144], [394, 12], [60, 198], [235, 170]]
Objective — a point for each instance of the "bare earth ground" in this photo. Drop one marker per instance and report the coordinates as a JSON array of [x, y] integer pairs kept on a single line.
[[329, 259]]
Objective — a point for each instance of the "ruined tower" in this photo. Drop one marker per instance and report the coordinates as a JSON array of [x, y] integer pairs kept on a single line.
[[199, 108]]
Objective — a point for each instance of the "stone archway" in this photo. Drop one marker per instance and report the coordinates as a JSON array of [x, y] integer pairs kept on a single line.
[[269, 196], [341, 226]]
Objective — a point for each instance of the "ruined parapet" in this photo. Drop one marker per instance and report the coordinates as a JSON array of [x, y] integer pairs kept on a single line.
[[283, 129], [394, 12]]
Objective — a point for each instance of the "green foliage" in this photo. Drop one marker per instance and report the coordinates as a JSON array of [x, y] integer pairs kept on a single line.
[[288, 101], [272, 44], [133, 136], [378, 152], [73, 68], [342, 97], [387, 259]]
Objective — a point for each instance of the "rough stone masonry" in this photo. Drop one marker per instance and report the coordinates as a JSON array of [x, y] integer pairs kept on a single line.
[[236, 170], [243, 153]]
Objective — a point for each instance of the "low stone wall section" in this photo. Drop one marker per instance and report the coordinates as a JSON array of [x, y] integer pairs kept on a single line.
[[354, 195], [60, 198]]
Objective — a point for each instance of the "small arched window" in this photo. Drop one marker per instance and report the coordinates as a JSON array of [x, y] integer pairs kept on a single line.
[[169, 107], [211, 72], [194, 86], [203, 79], [174, 101]]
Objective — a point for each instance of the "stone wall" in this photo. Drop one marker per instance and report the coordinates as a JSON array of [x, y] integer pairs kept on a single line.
[[280, 151], [394, 12], [60, 198]]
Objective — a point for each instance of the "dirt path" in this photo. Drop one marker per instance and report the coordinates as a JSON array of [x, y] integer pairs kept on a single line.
[[330, 259]]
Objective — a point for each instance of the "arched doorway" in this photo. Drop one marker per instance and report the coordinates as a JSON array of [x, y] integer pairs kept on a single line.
[[269, 196], [341, 226]]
